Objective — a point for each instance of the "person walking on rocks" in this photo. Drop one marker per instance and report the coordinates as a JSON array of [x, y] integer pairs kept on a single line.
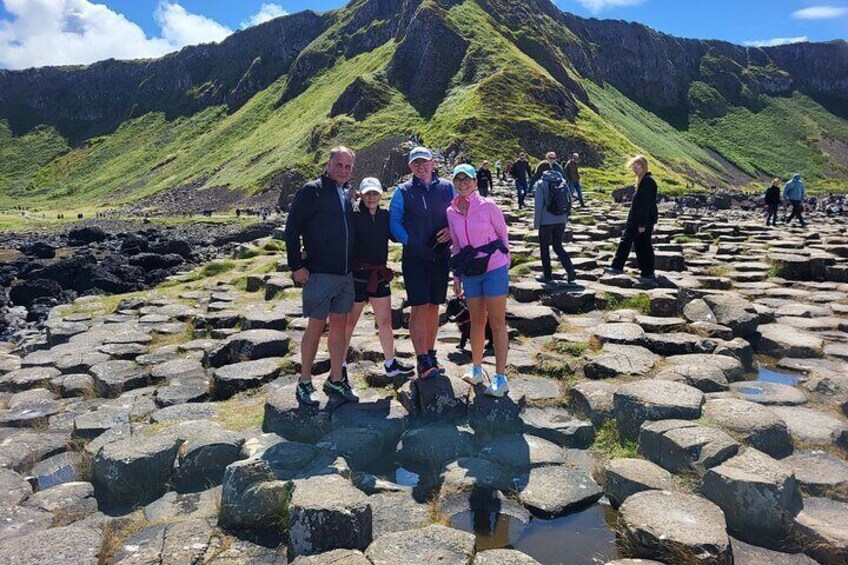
[[499, 169], [772, 202], [794, 191], [319, 247], [572, 176], [641, 219], [521, 173], [480, 261], [484, 179], [549, 164], [418, 220], [552, 206], [371, 276]]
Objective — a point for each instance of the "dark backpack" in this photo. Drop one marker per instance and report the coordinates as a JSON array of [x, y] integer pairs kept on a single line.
[[559, 197]]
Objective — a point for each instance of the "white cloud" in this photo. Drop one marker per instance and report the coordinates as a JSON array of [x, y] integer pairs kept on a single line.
[[820, 13], [266, 12], [596, 6], [72, 32], [775, 41]]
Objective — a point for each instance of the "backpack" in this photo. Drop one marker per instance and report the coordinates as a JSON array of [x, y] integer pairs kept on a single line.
[[559, 196]]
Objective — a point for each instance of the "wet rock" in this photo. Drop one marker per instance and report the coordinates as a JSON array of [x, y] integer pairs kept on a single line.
[[625, 477], [769, 394], [675, 527], [71, 544], [328, 513], [229, 380], [58, 469], [819, 474], [682, 446], [250, 345], [553, 491], [752, 423], [823, 527], [654, 400], [433, 544], [769, 492]]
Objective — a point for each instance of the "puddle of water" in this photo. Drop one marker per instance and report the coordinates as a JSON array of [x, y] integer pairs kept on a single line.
[[406, 478], [766, 375], [582, 538]]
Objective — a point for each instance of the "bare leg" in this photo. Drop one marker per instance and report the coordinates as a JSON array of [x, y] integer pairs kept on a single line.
[[336, 344], [496, 308], [309, 347], [352, 320], [383, 313], [418, 328], [477, 309], [432, 325]]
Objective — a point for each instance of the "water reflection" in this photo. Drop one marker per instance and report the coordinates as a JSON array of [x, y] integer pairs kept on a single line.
[[766, 375]]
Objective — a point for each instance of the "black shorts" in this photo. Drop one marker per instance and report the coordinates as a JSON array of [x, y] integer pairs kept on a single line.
[[426, 281], [362, 295]]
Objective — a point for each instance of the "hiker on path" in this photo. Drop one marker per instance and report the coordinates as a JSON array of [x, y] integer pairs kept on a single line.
[[521, 173], [484, 179], [499, 170], [572, 176], [480, 260], [641, 219], [371, 276], [319, 247], [552, 206], [794, 192], [772, 201], [418, 220], [549, 164]]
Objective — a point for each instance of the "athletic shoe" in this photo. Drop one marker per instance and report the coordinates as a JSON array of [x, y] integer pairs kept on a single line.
[[427, 370], [572, 276], [306, 394], [613, 271], [435, 363], [340, 390], [475, 378], [498, 387], [543, 279], [398, 368]]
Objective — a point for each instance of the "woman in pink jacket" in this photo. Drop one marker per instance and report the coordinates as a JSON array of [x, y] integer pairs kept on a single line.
[[480, 261]]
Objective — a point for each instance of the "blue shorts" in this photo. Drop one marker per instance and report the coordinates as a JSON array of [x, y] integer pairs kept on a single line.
[[492, 284], [426, 281]]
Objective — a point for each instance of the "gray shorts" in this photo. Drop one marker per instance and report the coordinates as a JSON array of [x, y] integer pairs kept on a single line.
[[325, 294]]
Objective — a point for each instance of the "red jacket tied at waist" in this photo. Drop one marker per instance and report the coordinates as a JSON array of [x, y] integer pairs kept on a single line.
[[377, 273]]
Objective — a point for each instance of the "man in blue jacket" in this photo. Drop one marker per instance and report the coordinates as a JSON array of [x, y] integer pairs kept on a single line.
[[319, 246], [794, 191], [418, 219]]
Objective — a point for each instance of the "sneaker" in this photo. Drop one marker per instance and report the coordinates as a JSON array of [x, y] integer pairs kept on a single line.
[[427, 371], [543, 279], [498, 387], [398, 368], [572, 277], [306, 394], [435, 363], [613, 271], [475, 377], [340, 390]]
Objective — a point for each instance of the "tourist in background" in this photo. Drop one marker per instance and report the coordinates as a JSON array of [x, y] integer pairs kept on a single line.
[[772, 201], [572, 176], [794, 192], [641, 219], [499, 169], [552, 205], [549, 164], [371, 275], [521, 173], [480, 261], [484, 179]]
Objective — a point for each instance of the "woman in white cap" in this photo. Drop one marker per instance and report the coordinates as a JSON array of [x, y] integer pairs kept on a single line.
[[371, 276], [480, 262]]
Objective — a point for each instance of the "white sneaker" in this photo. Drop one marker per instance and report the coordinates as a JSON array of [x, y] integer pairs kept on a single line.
[[473, 378], [499, 386]]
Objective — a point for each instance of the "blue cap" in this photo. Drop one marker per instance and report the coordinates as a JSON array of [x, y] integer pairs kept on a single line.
[[466, 169], [420, 153]]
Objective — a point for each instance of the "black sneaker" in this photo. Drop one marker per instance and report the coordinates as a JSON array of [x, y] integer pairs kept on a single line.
[[340, 390], [306, 394], [398, 368], [435, 364], [572, 276], [426, 371]]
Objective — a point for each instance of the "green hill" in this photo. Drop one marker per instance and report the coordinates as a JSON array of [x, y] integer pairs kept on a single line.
[[486, 78]]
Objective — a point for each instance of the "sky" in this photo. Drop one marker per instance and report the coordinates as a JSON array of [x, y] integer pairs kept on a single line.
[[63, 32]]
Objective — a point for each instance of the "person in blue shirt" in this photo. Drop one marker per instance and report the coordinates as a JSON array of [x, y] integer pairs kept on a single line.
[[794, 191], [418, 220]]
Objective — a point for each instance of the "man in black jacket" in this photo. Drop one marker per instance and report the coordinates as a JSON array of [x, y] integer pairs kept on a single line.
[[321, 218], [521, 172]]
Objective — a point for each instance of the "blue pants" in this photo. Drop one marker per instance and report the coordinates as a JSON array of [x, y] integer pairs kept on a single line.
[[576, 188], [521, 189]]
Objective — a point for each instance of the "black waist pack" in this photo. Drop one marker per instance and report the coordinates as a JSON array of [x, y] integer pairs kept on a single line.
[[467, 264]]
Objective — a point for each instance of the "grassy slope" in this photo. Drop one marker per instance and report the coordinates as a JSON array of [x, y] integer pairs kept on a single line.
[[246, 148]]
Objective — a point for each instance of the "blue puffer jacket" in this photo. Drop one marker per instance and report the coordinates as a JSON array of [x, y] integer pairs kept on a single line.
[[794, 189], [418, 211]]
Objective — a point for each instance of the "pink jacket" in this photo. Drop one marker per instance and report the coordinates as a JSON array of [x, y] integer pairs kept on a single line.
[[485, 223]]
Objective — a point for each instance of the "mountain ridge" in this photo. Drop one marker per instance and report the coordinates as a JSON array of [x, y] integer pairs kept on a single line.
[[484, 77]]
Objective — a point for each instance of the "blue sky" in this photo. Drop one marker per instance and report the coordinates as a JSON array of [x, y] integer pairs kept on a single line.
[[51, 32]]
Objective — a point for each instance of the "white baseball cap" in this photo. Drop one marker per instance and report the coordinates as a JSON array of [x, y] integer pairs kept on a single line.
[[420, 153], [370, 184]]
